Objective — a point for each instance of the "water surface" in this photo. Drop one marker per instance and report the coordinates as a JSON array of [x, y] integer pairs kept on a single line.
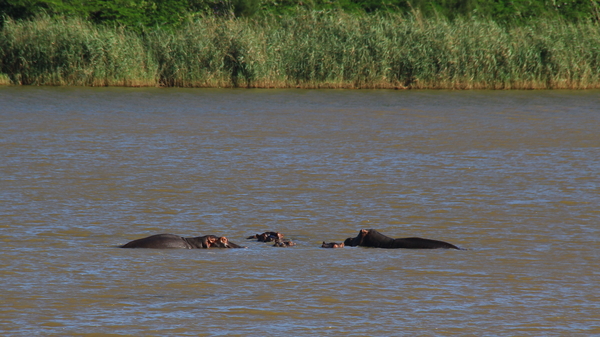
[[512, 176]]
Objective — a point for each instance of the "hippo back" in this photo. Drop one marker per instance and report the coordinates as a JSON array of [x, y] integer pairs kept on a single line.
[[159, 241], [372, 238]]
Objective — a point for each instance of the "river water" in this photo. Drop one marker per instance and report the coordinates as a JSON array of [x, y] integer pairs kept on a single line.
[[513, 176]]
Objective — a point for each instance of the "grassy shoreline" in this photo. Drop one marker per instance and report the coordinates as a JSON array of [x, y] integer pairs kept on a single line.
[[305, 51]]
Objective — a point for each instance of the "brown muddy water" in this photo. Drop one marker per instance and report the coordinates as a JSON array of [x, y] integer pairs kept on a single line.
[[512, 176]]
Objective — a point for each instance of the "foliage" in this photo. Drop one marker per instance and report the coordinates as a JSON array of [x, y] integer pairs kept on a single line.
[[308, 50], [173, 13], [131, 13], [72, 52], [138, 13]]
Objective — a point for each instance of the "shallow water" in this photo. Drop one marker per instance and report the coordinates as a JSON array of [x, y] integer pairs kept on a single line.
[[512, 176]]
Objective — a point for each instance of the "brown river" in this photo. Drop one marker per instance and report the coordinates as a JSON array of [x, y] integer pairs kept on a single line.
[[512, 176]]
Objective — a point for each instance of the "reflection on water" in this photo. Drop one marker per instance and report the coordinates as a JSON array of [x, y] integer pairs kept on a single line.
[[513, 176]]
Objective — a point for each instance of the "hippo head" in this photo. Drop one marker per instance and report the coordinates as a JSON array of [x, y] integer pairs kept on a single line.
[[267, 236], [284, 243], [222, 242], [210, 241], [353, 242], [332, 245]]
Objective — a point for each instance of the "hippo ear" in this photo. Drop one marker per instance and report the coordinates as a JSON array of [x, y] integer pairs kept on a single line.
[[223, 239], [211, 240], [364, 232]]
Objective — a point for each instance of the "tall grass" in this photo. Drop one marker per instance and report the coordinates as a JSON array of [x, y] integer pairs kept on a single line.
[[309, 50], [73, 52]]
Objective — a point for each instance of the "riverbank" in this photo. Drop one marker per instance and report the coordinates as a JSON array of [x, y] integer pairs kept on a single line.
[[305, 51]]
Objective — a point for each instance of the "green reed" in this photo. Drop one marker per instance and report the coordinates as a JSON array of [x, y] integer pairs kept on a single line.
[[72, 52], [308, 50]]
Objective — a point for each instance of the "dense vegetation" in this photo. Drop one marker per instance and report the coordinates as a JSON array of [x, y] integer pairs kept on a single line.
[[312, 50], [312, 44], [151, 13]]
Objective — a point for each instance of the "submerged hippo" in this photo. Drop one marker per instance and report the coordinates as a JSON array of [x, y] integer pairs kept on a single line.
[[165, 241], [267, 236], [372, 238], [284, 243], [332, 245]]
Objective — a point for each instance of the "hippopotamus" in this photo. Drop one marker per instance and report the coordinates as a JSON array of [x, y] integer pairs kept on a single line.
[[284, 243], [267, 236], [165, 241], [372, 238], [332, 245]]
